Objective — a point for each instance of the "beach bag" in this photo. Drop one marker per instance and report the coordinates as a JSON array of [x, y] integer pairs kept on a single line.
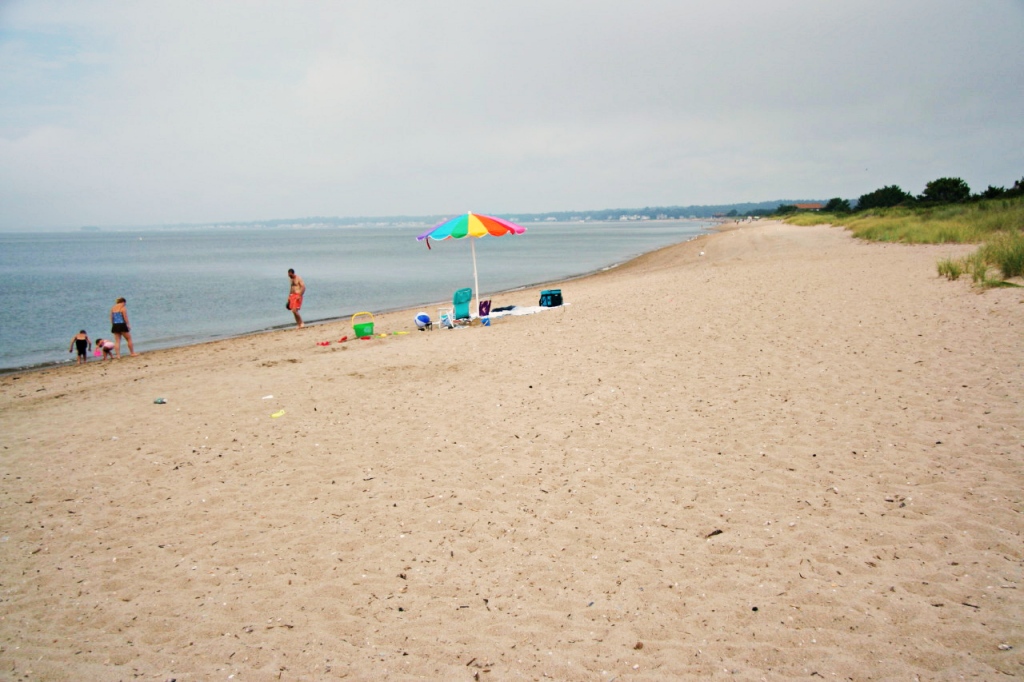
[[551, 298]]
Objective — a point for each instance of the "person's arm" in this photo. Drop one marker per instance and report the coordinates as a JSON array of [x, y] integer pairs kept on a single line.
[[302, 287], [72, 346]]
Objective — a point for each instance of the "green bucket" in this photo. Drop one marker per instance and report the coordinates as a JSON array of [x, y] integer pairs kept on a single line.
[[362, 327]]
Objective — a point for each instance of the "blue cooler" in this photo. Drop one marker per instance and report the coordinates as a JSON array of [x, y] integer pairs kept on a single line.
[[551, 298]]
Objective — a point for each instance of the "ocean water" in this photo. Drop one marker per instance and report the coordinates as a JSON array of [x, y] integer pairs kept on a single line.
[[188, 286]]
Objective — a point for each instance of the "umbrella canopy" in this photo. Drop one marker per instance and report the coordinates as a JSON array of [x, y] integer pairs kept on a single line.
[[471, 225]]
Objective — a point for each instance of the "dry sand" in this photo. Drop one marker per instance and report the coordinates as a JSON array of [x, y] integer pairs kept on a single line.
[[796, 456]]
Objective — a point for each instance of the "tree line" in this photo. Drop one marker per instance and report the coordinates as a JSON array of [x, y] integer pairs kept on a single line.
[[936, 193]]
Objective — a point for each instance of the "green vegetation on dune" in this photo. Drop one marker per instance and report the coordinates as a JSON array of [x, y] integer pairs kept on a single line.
[[1006, 252], [945, 224], [996, 224]]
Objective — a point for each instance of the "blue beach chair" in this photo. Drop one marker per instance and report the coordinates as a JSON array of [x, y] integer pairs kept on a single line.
[[461, 301]]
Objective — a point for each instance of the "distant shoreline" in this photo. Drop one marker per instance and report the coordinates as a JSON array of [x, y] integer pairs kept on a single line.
[[701, 213]]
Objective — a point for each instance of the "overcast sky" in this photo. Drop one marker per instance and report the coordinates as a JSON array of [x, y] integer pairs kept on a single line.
[[130, 113]]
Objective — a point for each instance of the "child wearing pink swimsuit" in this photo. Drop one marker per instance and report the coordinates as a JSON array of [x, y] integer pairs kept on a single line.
[[107, 347]]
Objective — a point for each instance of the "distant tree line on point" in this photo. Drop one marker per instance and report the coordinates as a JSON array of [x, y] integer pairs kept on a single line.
[[938, 192]]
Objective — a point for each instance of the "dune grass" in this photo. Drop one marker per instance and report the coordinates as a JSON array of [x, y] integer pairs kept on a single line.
[[951, 268], [997, 224], [1006, 252], [951, 224], [978, 268]]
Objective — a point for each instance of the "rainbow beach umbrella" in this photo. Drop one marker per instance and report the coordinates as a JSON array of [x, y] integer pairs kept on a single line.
[[471, 225]]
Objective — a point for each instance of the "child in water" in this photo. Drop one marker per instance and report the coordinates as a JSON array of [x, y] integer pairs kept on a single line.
[[82, 343], [107, 346]]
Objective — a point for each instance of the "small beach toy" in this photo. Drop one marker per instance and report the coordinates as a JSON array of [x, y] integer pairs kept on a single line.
[[98, 352], [362, 324], [343, 339], [423, 321], [279, 413]]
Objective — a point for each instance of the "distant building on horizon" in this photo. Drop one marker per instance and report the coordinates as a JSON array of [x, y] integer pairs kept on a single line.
[[809, 207]]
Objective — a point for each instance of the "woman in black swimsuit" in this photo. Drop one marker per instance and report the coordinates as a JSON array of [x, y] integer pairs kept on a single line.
[[119, 326]]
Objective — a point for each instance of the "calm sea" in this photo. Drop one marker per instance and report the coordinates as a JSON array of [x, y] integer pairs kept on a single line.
[[188, 286]]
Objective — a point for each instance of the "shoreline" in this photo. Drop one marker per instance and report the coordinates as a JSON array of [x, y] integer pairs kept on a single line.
[[712, 229], [766, 452]]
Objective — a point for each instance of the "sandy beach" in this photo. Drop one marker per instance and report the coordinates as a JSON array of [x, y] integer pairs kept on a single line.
[[775, 452]]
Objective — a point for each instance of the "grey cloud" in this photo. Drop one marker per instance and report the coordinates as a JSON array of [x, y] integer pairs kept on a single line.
[[119, 113]]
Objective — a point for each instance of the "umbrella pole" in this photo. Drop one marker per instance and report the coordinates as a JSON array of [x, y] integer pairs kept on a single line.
[[476, 282]]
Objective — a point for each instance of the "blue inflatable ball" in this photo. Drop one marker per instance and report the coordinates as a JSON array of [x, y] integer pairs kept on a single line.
[[422, 321]]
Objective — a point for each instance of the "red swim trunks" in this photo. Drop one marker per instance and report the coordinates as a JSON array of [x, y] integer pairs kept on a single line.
[[294, 302]]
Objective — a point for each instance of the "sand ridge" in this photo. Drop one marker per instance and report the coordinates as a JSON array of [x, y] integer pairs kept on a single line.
[[797, 455]]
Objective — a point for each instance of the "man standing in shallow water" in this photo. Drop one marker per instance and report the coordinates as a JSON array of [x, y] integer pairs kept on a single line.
[[295, 294]]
